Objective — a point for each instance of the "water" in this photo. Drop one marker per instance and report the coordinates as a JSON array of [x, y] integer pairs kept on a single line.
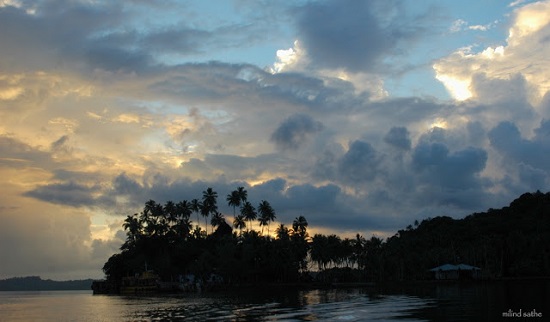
[[419, 302]]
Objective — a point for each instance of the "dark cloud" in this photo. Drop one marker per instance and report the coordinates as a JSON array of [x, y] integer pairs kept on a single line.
[[507, 139], [350, 34], [458, 170], [398, 137], [326, 163], [97, 36], [41, 40], [71, 194], [360, 163], [531, 178], [117, 59], [180, 40], [293, 131], [19, 154], [126, 186]]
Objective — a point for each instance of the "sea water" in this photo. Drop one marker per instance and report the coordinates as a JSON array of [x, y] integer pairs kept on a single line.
[[400, 302]]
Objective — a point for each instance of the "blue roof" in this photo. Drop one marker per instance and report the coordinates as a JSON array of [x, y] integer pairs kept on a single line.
[[450, 267]]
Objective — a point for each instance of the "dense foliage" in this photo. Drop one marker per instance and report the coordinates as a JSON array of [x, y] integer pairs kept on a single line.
[[510, 242], [162, 238]]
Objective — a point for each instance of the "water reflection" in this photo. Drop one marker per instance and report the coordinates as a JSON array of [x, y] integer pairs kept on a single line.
[[410, 302], [287, 305], [483, 301]]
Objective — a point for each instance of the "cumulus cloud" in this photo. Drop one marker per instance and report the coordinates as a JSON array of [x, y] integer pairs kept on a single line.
[[353, 35], [456, 170], [524, 55], [360, 163], [399, 138], [507, 140], [293, 131]]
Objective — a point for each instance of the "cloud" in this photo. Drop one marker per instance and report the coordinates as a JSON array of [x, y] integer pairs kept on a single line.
[[456, 170], [535, 153], [523, 57], [353, 35], [70, 193], [399, 138], [360, 162], [460, 25], [293, 131]]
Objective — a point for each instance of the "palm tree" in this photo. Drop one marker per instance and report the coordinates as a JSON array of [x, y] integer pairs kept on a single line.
[[243, 194], [146, 215], [183, 227], [184, 209], [248, 212], [196, 207], [209, 204], [132, 226], [299, 226], [282, 232], [233, 199], [170, 211], [217, 219], [267, 214], [239, 223], [299, 240], [153, 217]]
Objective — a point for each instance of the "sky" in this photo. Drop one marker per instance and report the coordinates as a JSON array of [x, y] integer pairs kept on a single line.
[[362, 116]]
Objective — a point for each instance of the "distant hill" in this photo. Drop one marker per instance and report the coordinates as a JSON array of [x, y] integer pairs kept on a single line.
[[35, 283]]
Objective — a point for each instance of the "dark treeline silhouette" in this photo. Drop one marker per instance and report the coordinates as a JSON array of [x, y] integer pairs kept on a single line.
[[162, 238], [35, 283], [506, 243], [510, 242]]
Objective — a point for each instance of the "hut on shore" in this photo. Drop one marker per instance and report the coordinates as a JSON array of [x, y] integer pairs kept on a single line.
[[455, 272]]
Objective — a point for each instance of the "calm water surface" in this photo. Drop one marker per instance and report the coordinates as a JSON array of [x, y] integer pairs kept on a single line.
[[421, 302]]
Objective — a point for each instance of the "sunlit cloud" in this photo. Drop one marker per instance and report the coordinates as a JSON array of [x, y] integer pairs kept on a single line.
[[458, 88], [524, 54]]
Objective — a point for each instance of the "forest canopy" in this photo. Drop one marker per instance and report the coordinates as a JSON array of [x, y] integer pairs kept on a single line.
[[509, 242]]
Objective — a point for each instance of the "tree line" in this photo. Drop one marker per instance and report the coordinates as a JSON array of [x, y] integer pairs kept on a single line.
[[512, 242], [163, 238], [509, 242]]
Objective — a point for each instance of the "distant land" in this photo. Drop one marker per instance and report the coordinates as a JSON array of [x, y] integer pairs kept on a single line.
[[35, 283]]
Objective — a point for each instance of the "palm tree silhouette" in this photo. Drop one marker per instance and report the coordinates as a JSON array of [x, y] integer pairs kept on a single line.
[[248, 212], [217, 219], [209, 204], [267, 214], [282, 232], [133, 227], [170, 211], [243, 194], [239, 223], [299, 226], [233, 200], [196, 207]]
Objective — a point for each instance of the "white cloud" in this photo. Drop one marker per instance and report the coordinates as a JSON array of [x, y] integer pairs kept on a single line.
[[291, 59], [526, 53], [458, 25]]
